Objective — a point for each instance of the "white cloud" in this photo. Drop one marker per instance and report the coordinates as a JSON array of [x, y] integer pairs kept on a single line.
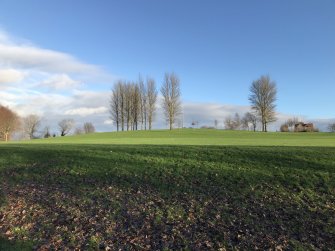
[[8, 99], [206, 113], [52, 84], [10, 76], [60, 82], [29, 57], [93, 98], [86, 111], [108, 122], [22, 54], [41, 103]]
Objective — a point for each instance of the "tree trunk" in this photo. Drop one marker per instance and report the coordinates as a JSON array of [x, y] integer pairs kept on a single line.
[[149, 123]]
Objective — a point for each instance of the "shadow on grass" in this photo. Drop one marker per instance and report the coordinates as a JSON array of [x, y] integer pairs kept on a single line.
[[248, 188], [2, 197], [169, 169], [7, 245]]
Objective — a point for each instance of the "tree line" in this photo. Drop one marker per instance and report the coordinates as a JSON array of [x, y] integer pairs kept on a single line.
[[30, 126], [247, 122], [133, 104]]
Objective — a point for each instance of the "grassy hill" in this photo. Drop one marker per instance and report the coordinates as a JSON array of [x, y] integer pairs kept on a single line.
[[162, 190], [198, 137]]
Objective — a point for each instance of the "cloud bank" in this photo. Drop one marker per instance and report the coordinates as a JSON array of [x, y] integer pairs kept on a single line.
[[8, 76], [26, 56], [52, 84]]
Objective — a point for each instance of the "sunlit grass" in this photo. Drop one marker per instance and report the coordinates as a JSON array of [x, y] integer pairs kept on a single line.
[[197, 137]]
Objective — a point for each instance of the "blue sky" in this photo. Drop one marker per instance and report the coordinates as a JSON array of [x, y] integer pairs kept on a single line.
[[216, 47]]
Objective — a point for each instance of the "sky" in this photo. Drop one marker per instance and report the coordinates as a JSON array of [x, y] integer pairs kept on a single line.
[[59, 59]]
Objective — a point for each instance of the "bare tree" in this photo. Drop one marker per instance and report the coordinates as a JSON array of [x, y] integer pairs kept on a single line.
[[143, 103], [229, 123], [88, 127], [115, 104], [233, 123], [136, 105], [237, 121], [171, 98], [127, 105], [263, 94], [245, 125], [78, 131], [65, 126], [47, 133], [31, 123], [291, 123], [284, 128], [122, 102], [133, 104], [9, 122], [248, 119], [151, 100], [331, 127], [216, 123]]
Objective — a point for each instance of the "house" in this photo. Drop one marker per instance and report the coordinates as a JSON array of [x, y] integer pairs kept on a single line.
[[302, 127]]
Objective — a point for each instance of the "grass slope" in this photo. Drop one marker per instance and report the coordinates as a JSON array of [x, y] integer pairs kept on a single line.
[[198, 137], [160, 196]]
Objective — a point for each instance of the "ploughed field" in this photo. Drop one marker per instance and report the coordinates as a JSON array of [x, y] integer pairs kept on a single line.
[[162, 190]]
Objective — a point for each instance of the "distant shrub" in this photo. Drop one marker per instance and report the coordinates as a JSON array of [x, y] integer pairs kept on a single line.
[[78, 131], [284, 128], [88, 127], [233, 123], [207, 127], [303, 127], [310, 129]]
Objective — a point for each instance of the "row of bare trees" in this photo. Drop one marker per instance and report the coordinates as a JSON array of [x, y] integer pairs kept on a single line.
[[247, 122], [133, 104], [331, 127], [30, 126]]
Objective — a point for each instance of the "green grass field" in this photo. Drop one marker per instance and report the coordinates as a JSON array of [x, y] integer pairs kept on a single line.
[[162, 190], [198, 137]]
